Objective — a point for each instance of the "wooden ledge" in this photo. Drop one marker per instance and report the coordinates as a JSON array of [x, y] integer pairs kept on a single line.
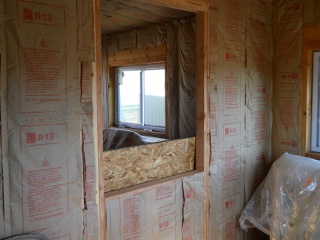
[[314, 155], [147, 186]]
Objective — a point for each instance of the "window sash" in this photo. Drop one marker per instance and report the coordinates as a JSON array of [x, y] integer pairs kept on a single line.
[[315, 126], [142, 125]]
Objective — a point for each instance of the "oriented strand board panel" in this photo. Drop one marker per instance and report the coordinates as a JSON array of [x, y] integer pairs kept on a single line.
[[130, 166]]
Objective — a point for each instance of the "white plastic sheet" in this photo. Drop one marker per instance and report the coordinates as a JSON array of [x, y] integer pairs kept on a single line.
[[286, 205]]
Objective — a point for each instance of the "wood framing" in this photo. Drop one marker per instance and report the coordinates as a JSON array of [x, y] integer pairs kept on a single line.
[[111, 96], [98, 119], [186, 5], [140, 56], [4, 126], [201, 8], [147, 186], [310, 42], [202, 109]]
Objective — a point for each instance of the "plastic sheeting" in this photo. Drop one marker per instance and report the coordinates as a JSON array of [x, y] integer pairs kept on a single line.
[[181, 79], [286, 204]]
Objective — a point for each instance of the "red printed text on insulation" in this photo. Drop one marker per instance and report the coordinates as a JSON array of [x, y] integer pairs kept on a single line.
[[45, 76], [131, 218], [47, 194], [231, 199], [39, 135], [259, 126], [231, 162], [232, 93], [86, 82], [166, 195], [232, 129], [167, 222], [40, 14]]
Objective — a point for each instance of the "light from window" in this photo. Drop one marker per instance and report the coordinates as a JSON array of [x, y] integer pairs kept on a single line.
[[315, 134], [141, 97]]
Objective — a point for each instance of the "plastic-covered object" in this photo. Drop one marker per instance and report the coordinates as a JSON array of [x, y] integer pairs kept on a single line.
[[287, 203]]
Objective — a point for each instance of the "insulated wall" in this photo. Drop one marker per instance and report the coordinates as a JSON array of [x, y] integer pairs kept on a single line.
[[287, 77], [240, 111], [172, 211], [47, 53]]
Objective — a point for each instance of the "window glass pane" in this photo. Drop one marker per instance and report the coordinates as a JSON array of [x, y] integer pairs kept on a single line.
[[154, 109], [315, 133], [129, 96]]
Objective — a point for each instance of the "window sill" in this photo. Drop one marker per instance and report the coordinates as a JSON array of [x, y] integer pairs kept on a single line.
[[143, 132], [314, 155]]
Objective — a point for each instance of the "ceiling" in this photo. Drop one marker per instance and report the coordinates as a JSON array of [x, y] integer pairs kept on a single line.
[[121, 15]]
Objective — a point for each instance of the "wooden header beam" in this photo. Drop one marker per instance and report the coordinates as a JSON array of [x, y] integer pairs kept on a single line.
[[186, 5], [147, 55]]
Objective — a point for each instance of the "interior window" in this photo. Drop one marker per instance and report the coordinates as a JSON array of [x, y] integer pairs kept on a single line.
[[140, 100], [315, 129]]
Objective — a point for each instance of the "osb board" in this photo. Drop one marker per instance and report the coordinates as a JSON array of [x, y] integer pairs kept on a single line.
[[134, 165]]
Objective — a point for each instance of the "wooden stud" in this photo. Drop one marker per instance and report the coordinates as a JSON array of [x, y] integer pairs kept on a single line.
[[313, 155], [304, 102], [186, 5], [98, 118], [311, 33], [111, 96], [4, 128], [202, 109]]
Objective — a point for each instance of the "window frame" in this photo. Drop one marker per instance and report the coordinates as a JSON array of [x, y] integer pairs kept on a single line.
[[141, 126], [315, 103], [310, 43], [201, 8]]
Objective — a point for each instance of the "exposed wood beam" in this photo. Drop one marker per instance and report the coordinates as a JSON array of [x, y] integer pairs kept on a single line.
[[98, 121], [186, 5]]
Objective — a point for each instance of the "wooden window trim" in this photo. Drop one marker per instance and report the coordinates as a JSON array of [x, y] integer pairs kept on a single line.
[[310, 42]]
